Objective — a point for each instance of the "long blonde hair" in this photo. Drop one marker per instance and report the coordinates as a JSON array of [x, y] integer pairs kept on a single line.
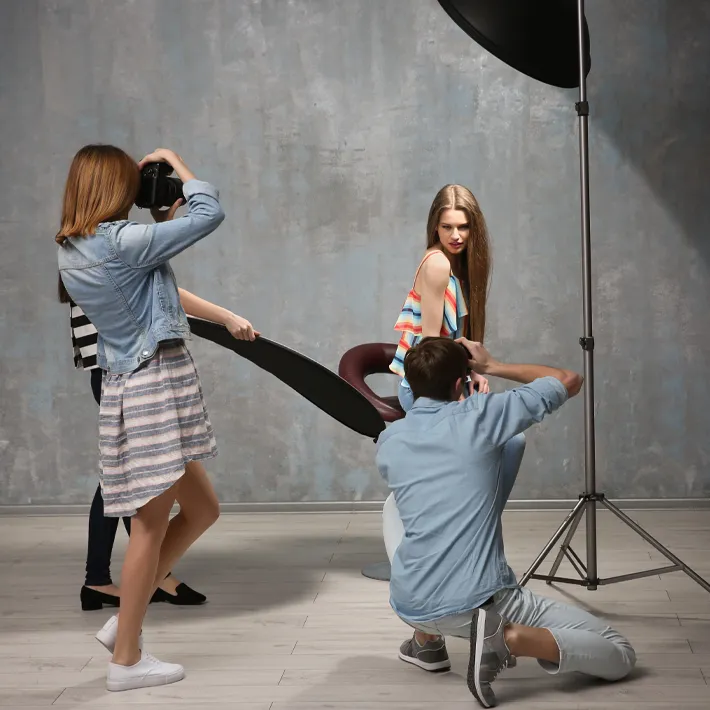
[[102, 185], [476, 277]]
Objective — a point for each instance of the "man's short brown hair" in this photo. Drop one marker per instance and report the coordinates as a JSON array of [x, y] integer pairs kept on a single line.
[[432, 367]]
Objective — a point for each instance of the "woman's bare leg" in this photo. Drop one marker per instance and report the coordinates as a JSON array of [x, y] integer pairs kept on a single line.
[[199, 510], [139, 572]]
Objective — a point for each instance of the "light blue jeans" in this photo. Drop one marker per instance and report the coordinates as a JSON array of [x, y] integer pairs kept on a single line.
[[587, 644]]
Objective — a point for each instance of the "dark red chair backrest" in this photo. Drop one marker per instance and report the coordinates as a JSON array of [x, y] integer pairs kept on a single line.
[[370, 359]]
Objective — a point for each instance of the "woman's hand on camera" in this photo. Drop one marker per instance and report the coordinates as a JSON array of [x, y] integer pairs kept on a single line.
[[166, 215], [241, 328], [164, 155], [161, 155]]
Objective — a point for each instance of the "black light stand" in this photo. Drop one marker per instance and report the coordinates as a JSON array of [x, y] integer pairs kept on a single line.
[[522, 34]]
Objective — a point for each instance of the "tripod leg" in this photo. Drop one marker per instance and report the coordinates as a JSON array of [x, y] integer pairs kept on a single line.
[[553, 541], [652, 541], [565, 544]]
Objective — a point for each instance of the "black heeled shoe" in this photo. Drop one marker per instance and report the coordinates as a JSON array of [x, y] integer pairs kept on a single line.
[[93, 600], [184, 596]]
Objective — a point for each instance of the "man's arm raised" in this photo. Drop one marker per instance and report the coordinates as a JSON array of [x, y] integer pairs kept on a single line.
[[482, 362], [502, 416]]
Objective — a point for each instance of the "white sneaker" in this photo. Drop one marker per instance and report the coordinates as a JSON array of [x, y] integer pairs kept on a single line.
[[148, 672], [107, 635]]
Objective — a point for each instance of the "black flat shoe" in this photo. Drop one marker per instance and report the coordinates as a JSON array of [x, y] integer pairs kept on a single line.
[[185, 596], [93, 600]]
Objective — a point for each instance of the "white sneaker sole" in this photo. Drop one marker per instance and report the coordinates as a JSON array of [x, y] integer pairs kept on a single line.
[[116, 686], [478, 655], [432, 667]]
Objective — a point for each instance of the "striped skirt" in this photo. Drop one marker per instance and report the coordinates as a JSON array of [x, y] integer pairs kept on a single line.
[[152, 421]]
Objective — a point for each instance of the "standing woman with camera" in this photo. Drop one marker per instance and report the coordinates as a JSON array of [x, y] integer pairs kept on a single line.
[[154, 428]]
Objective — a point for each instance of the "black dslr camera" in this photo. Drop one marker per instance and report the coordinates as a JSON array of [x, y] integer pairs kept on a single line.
[[157, 188]]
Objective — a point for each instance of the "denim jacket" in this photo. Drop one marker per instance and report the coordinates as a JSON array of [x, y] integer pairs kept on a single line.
[[122, 279]]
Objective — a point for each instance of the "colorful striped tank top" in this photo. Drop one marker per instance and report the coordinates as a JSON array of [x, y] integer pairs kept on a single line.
[[410, 318]]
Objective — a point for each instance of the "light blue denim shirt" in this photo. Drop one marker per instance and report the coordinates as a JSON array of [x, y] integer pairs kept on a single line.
[[122, 279], [443, 463]]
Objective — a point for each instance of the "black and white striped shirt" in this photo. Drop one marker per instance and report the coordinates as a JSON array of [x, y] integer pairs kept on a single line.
[[84, 338]]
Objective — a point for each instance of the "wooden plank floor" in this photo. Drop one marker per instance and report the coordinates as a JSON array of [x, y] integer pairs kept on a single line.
[[292, 625]]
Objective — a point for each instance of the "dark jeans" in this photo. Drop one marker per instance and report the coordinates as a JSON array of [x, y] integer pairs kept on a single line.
[[102, 530]]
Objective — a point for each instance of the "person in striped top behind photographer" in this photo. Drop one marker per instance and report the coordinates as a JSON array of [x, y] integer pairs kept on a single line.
[[98, 588]]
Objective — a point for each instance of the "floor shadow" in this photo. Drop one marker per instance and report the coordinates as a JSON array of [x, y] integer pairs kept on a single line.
[[566, 685], [524, 683], [271, 572], [600, 612]]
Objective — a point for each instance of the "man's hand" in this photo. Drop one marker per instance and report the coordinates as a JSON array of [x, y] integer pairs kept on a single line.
[[482, 382], [483, 363], [241, 328], [481, 360]]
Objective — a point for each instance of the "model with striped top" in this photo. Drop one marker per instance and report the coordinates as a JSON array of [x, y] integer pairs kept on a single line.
[[448, 296]]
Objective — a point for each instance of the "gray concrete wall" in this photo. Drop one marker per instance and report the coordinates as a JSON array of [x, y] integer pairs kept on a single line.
[[328, 127]]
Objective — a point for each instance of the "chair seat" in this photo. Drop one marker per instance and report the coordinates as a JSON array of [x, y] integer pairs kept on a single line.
[[393, 402], [371, 359]]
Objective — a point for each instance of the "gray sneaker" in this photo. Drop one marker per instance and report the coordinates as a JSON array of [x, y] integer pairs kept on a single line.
[[489, 655], [432, 656]]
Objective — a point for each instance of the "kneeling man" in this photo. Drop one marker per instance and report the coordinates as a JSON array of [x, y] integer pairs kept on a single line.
[[451, 464]]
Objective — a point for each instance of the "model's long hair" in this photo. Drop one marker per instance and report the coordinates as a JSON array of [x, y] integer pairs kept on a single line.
[[102, 185], [476, 258]]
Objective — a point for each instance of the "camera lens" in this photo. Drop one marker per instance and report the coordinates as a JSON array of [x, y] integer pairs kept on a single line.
[[174, 190]]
